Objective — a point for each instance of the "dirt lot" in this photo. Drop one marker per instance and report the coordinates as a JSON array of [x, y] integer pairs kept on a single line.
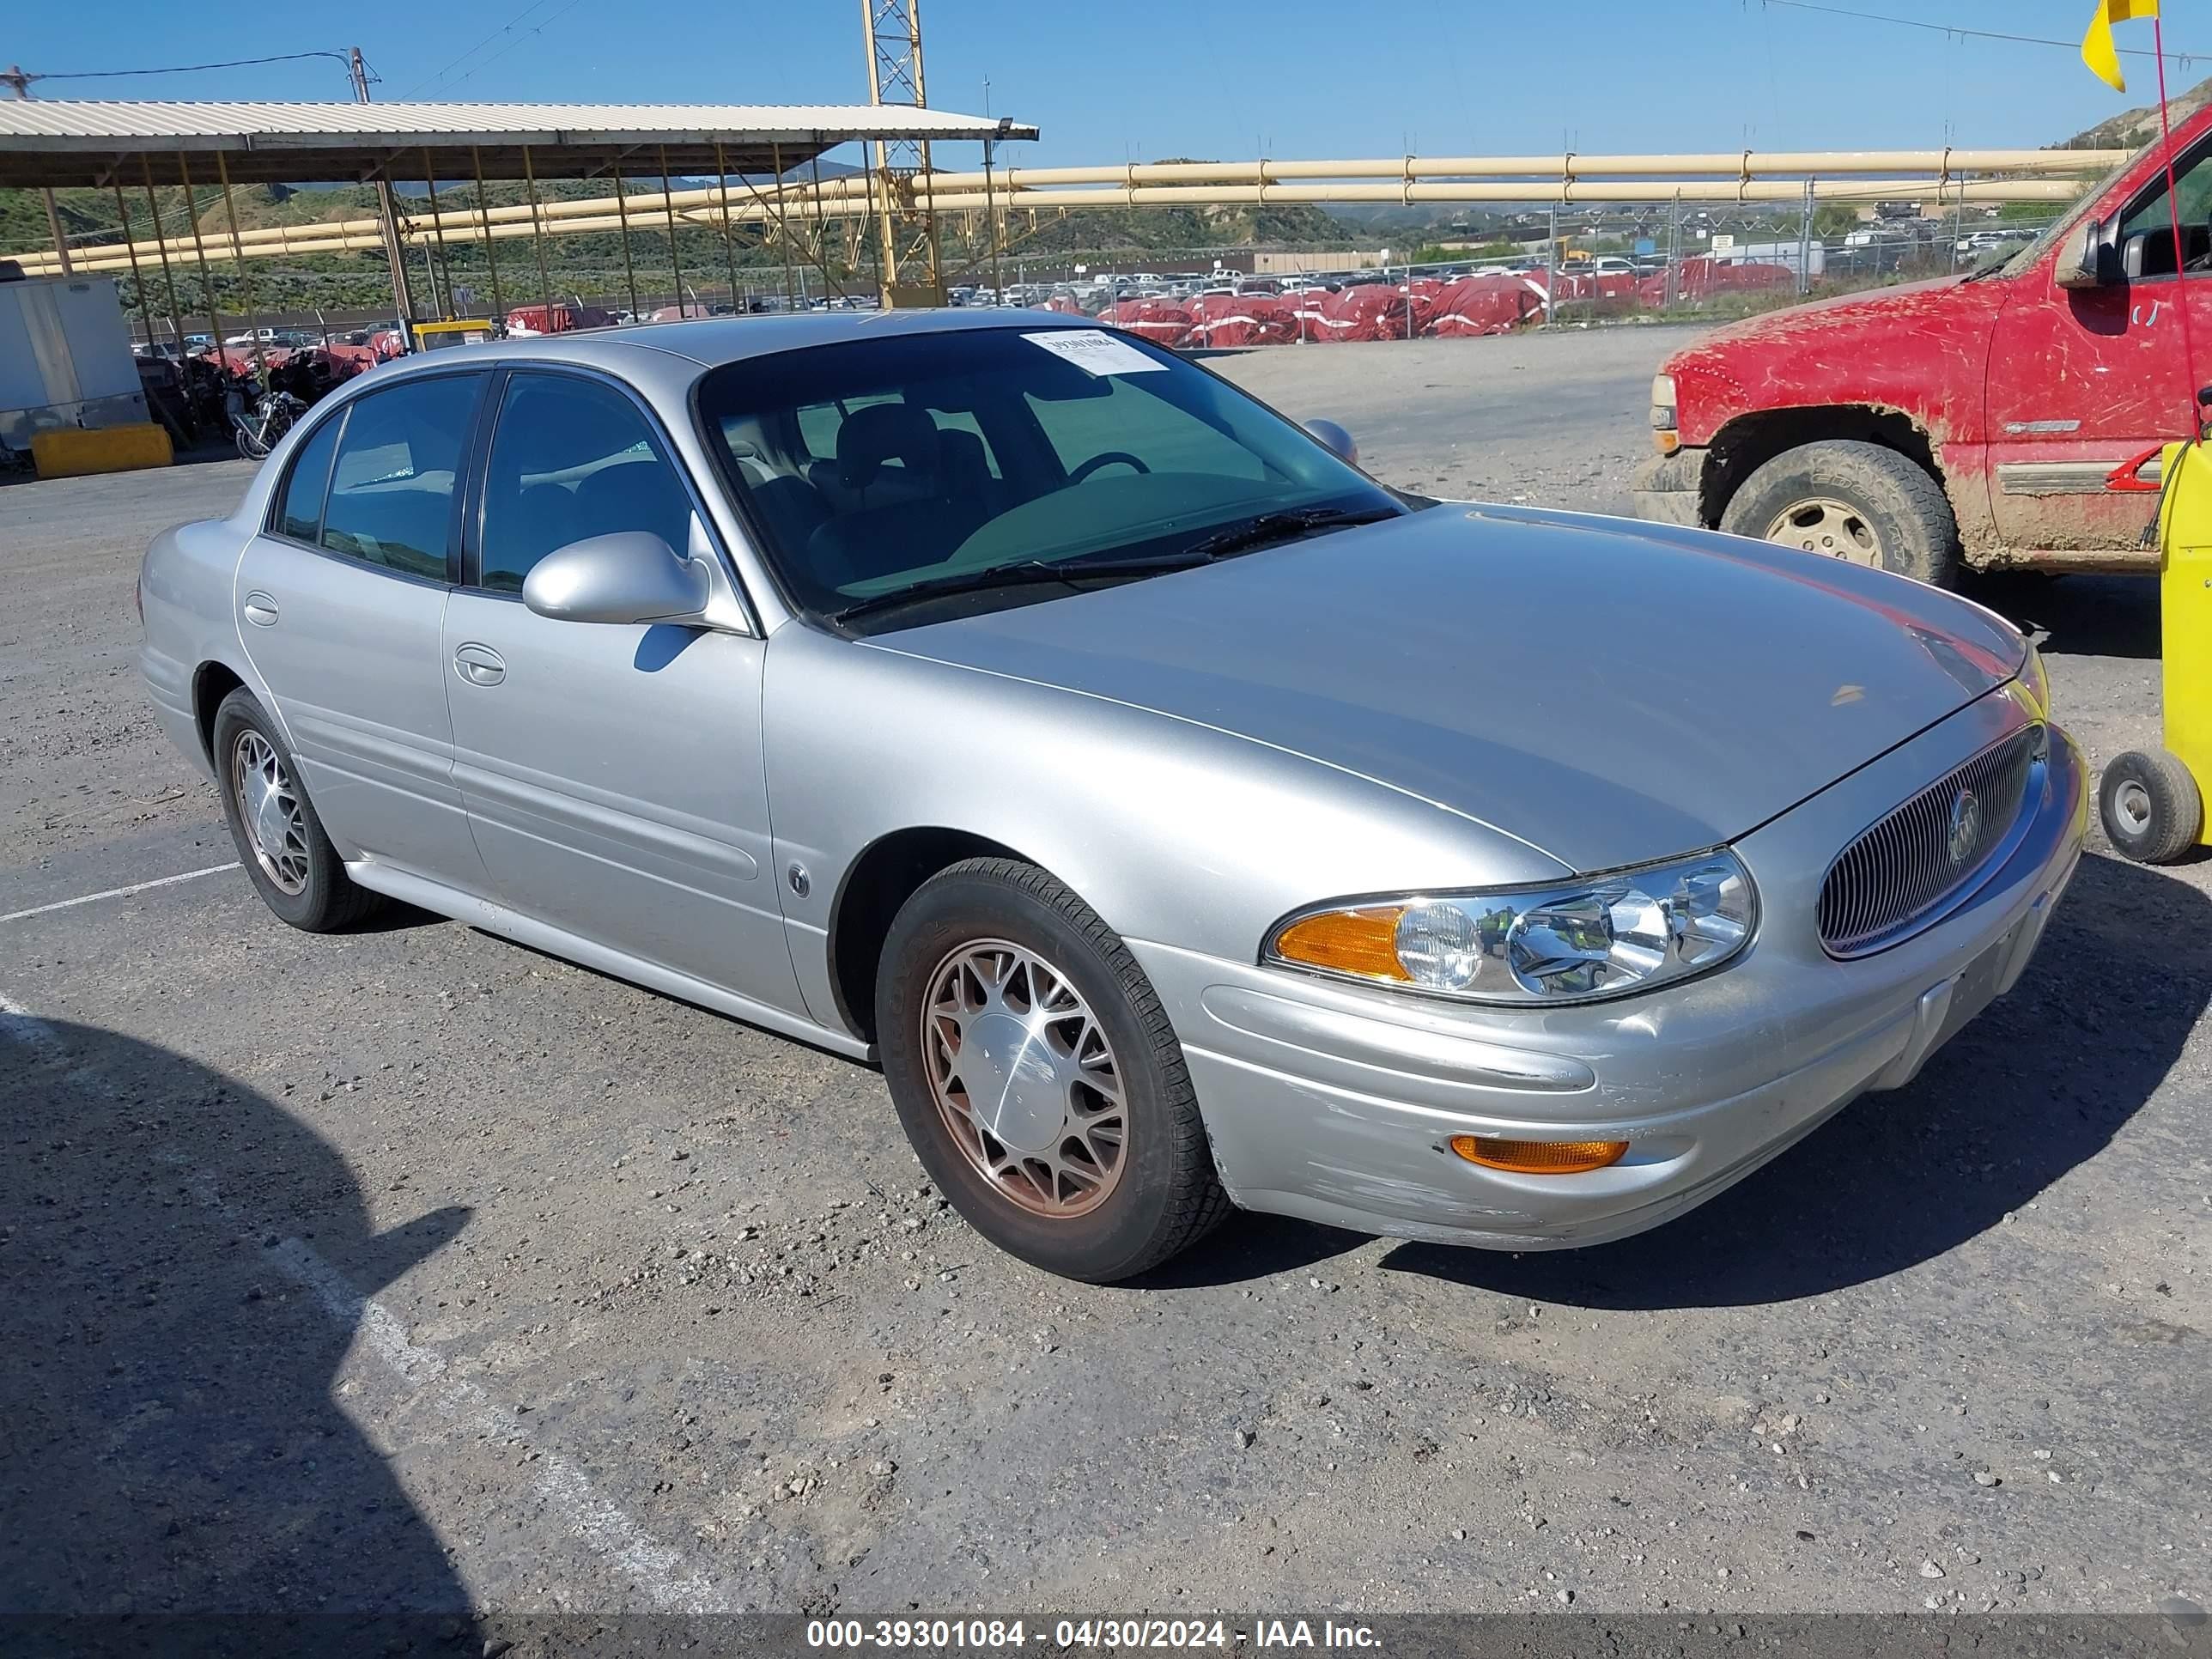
[[412, 1269]]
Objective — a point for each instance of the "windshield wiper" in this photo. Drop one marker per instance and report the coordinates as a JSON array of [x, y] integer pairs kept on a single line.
[[1273, 527], [1244, 538], [1024, 573]]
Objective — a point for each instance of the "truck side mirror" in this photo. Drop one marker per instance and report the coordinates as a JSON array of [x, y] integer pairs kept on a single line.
[[2081, 257]]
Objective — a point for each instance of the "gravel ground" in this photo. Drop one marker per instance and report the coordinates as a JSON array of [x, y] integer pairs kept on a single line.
[[412, 1269]]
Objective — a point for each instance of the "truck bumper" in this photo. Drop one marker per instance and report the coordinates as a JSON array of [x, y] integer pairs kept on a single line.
[[1665, 488]]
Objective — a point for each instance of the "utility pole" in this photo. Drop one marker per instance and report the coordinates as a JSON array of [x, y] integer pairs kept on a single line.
[[19, 82], [388, 214]]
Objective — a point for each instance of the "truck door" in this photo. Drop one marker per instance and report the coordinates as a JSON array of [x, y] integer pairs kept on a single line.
[[2084, 384]]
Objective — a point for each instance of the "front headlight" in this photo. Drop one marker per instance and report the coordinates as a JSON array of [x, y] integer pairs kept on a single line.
[[1574, 941], [2036, 680]]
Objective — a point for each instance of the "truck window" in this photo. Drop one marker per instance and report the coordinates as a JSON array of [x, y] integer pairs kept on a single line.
[[2149, 219]]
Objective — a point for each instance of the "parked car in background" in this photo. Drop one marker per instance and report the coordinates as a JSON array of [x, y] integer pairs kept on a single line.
[[1294, 900], [2011, 417]]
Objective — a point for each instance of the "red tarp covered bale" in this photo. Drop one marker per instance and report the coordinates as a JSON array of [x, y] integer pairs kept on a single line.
[[1163, 322], [1486, 305], [1369, 312], [1242, 320], [1700, 278]]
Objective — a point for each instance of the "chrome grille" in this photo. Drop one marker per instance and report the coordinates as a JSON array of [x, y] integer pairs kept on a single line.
[[1898, 872]]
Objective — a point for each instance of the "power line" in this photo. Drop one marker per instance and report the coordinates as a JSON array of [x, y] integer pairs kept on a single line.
[[2184, 58], [185, 68], [507, 27]]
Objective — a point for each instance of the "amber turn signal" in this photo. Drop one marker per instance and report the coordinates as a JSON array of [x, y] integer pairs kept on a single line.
[[1538, 1157], [1363, 942]]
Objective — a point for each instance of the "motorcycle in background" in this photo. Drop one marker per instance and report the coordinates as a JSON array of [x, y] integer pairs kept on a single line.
[[258, 426]]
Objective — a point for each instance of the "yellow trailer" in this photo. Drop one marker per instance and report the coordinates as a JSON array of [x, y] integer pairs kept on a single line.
[[2152, 800]]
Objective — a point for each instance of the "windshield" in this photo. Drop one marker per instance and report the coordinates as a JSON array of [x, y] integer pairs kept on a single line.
[[2020, 263], [928, 461]]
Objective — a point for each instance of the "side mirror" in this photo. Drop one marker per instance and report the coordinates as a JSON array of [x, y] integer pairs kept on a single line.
[[1335, 439], [631, 576], [2081, 261]]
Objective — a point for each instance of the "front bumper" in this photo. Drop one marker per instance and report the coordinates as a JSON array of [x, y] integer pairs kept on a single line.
[[1666, 488], [1335, 1103]]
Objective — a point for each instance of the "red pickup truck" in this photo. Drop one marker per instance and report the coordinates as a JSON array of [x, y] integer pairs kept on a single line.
[[2011, 417]]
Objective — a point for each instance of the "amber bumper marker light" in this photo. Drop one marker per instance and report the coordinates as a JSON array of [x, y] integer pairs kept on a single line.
[[1538, 1157]]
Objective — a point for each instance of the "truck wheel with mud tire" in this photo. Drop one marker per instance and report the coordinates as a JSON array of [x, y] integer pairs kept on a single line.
[[1852, 500]]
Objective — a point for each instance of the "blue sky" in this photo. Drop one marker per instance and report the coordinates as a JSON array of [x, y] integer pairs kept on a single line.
[[1211, 78]]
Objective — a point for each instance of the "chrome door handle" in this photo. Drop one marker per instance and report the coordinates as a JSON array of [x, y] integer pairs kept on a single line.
[[261, 609], [479, 665]]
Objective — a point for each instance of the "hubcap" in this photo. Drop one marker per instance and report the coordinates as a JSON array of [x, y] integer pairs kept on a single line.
[[269, 806], [1824, 525], [1024, 1078], [2132, 803]]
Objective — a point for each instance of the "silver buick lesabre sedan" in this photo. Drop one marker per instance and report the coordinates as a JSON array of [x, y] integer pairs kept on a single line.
[[1183, 820]]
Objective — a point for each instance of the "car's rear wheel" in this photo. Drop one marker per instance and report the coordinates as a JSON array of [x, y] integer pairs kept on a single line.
[[2151, 805], [1851, 501], [280, 839], [1037, 1077]]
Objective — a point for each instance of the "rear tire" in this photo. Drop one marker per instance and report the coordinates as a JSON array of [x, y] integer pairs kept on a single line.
[[2151, 805], [1853, 501], [286, 855], [1090, 1203]]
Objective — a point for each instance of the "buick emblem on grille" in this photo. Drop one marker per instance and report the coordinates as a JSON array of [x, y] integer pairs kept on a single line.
[[1965, 830]]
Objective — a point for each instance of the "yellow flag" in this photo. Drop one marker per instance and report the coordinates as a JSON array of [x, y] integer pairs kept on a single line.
[[2097, 45]]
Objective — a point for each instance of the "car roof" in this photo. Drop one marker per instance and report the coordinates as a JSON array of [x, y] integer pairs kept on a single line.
[[663, 359]]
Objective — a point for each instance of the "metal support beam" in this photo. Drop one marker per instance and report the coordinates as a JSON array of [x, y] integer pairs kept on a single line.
[[161, 246], [491, 254], [441, 265], [629, 266], [538, 237], [252, 311], [137, 279], [674, 258], [199, 249]]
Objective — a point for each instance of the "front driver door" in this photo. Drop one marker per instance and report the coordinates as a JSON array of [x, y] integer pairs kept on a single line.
[[612, 773], [2085, 384], [341, 601]]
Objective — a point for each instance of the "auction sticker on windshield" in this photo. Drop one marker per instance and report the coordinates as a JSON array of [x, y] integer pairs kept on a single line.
[[1095, 353]]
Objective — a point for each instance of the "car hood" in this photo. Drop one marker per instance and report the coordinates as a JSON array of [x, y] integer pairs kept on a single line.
[[1608, 691], [1876, 308]]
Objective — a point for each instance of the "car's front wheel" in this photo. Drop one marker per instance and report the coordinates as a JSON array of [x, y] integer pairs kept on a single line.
[[1037, 1077], [1855, 501], [280, 839]]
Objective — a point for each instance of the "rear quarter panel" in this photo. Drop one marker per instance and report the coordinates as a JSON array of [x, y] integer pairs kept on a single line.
[[186, 583]]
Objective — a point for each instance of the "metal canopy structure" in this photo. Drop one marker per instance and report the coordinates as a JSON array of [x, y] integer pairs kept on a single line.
[[64, 144]]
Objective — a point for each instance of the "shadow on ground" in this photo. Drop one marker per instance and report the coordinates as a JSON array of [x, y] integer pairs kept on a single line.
[[2039, 1083], [2079, 616], [171, 1442]]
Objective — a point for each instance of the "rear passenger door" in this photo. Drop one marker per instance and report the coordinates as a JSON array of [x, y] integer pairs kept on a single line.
[[340, 601], [612, 772]]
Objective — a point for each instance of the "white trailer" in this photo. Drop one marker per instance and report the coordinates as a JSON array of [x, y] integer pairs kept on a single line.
[[64, 358]]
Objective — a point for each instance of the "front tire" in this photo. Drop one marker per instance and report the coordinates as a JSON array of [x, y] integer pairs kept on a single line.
[[2150, 805], [1851, 501], [280, 839], [1037, 1077]]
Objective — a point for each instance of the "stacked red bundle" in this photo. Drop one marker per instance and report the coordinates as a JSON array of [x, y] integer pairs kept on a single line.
[[1701, 278], [1242, 320], [1163, 322], [1369, 312], [1486, 305]]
